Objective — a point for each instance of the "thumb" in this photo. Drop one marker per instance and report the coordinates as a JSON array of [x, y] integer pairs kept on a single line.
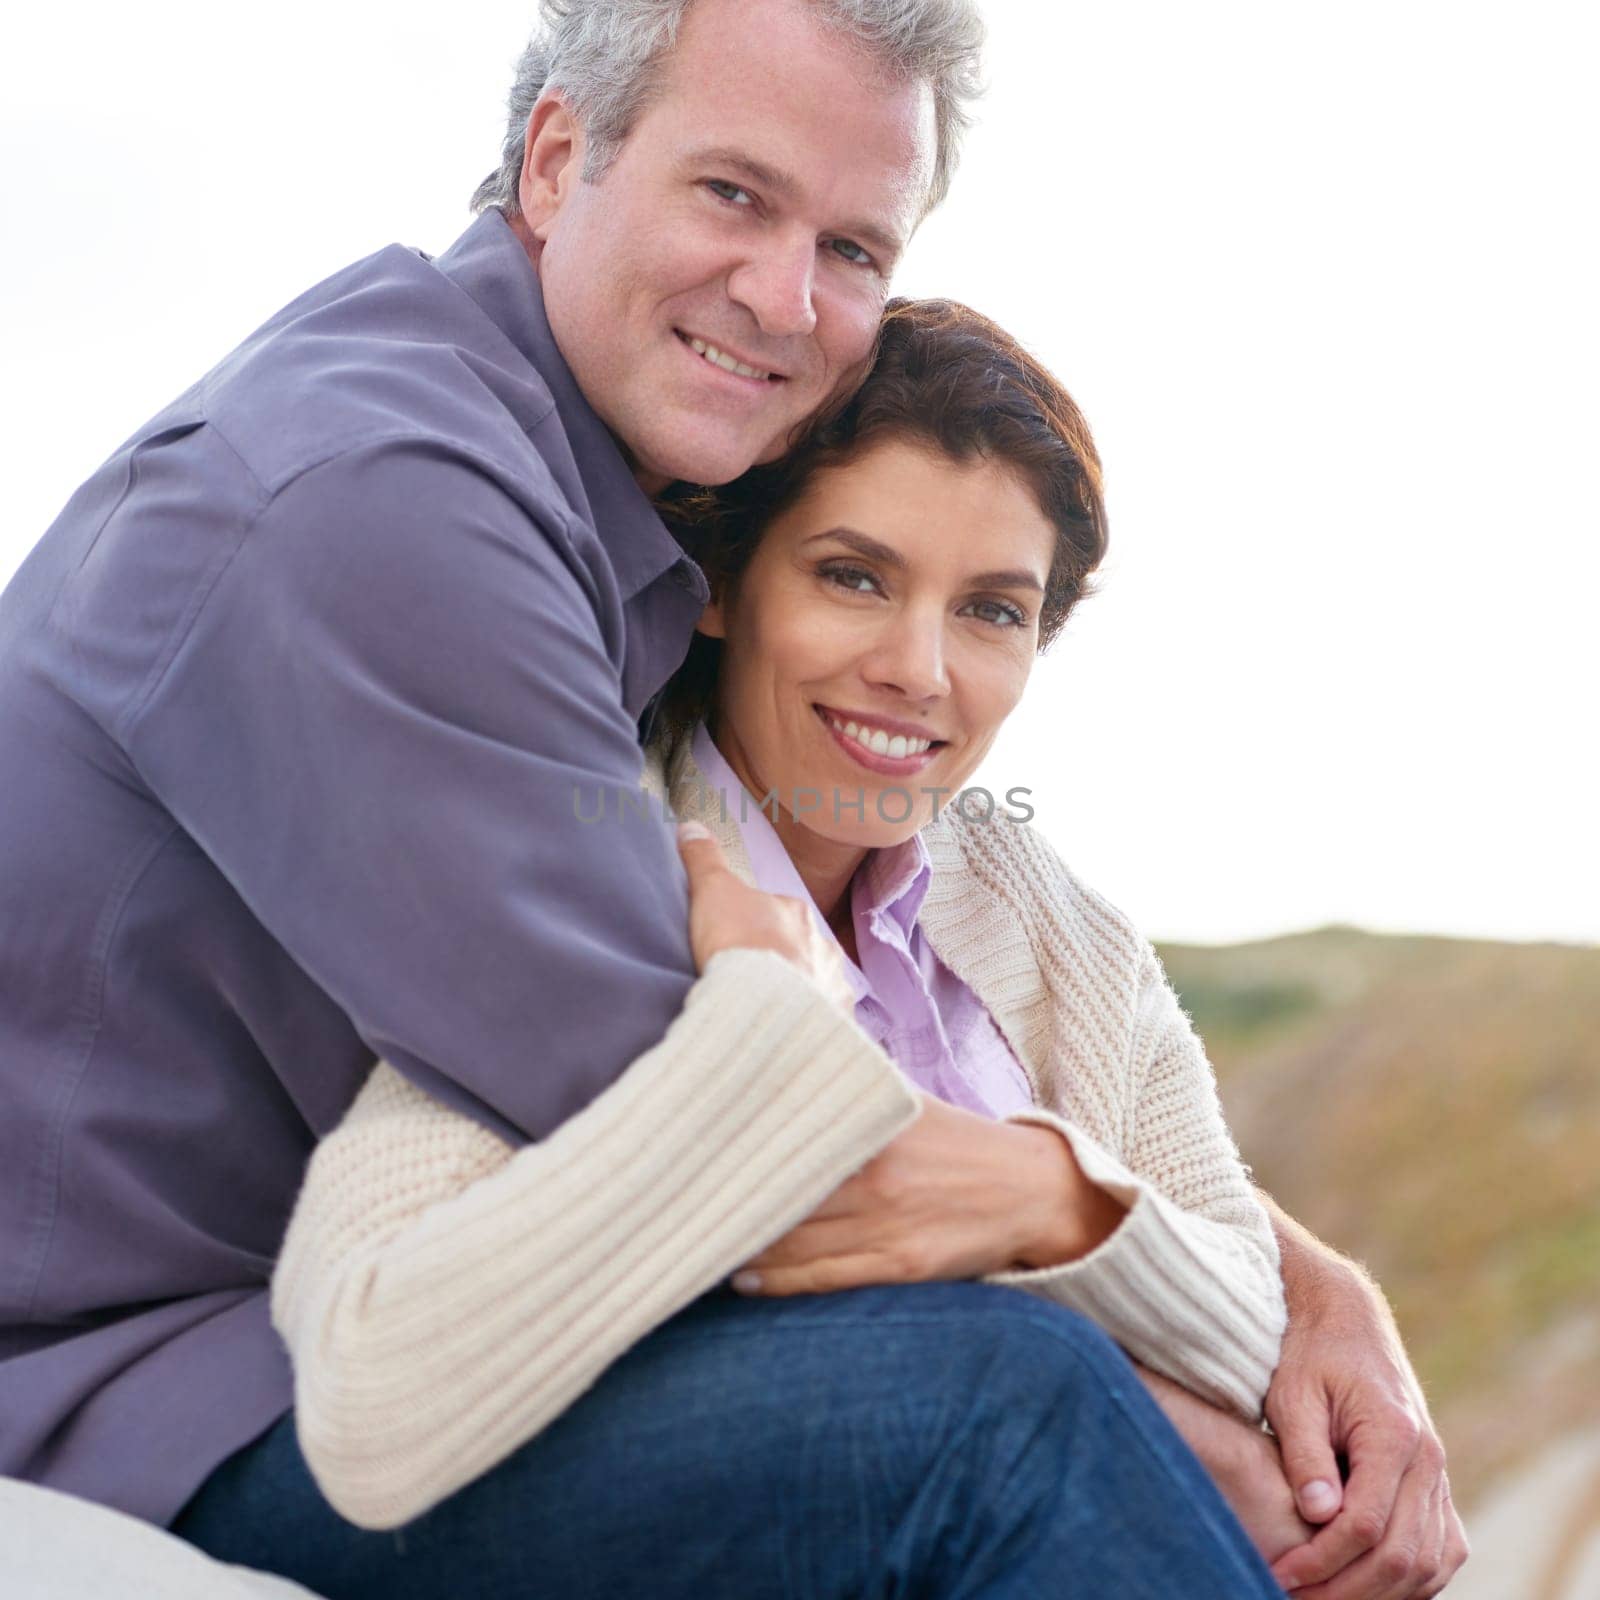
[[701, 853], [1304, 1427]]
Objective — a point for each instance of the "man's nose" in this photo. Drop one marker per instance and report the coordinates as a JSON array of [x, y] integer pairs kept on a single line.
[[776, 285], [910, 656]]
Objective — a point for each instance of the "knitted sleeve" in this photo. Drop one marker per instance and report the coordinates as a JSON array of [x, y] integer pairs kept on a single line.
[[444, 1298], [1188, 1283]]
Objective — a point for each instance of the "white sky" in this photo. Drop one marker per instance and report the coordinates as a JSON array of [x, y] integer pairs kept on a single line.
[[1323, 278]]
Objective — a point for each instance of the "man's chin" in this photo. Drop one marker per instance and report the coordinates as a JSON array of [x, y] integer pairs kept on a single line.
[[713, 461]]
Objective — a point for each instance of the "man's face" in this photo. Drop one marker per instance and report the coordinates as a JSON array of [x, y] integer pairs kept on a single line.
[[754, 214]]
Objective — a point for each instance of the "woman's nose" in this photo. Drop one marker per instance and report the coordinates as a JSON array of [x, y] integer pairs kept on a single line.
[[910, 656]]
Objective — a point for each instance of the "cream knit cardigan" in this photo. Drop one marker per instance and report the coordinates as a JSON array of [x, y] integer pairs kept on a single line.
[[445, 1297]]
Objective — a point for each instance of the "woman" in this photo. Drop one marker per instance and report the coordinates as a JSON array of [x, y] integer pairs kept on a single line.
[[879, 599]]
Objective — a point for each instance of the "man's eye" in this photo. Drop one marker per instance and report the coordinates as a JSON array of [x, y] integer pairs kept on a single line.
[[844, 247], [731, 192]]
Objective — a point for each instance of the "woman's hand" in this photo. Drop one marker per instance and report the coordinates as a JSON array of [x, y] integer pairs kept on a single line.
[[726, 913], [955, 1196]]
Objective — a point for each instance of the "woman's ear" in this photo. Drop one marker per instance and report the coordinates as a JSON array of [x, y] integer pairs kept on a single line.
[[713, 624]]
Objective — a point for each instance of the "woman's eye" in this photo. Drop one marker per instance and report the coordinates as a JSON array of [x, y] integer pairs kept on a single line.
[[731, 192], [855, 579], [999, 612], [843, 247]]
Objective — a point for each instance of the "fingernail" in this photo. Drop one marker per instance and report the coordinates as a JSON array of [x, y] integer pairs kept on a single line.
[[689, 831], [1319, 1498], [747, 1282]]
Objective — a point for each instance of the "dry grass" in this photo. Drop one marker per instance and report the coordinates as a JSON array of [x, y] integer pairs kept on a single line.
[[1432, 1107]]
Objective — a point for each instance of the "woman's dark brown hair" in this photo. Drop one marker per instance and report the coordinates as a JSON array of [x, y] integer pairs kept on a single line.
[[943, 377]]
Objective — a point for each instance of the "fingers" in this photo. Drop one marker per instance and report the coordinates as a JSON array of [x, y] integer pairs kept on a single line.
[[1449, 1543], [1403, 1565], [726, 913], [1301, 1420], [825, 1276], [1431, 1573], [702, 855], [1380, 1455]]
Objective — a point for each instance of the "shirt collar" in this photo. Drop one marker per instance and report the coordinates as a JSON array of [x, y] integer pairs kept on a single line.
[[892, 883], [489, 263], [770, 864]]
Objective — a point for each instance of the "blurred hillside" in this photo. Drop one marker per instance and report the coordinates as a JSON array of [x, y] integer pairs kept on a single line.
[[1432, 1107]]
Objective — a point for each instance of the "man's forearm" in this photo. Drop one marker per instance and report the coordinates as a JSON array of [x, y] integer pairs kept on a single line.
[[1317, 1277]]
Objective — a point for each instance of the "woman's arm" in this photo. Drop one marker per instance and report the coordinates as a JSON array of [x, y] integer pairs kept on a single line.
[[444, 1298], [1187, 1282]]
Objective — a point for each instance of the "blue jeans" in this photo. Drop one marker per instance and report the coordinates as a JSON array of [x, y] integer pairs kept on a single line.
[[923, 1440]]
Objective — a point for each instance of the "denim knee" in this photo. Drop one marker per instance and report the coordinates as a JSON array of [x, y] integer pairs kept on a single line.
[[1017, 1342], [991, 1366], [1054, 1338]]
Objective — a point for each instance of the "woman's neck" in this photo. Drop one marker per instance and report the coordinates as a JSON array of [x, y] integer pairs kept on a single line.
[[825, 866], [827, 869]]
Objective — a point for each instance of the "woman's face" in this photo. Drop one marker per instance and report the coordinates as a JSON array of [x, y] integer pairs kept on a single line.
[[900, 593]]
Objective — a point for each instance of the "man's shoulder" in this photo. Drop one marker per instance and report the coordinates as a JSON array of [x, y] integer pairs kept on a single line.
[[386, 352]]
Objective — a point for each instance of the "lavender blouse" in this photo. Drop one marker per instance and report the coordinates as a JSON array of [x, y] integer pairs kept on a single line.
[[926, 1020]]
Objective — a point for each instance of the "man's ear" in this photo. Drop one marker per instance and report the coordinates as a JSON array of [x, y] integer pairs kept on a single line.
[[552, 158], [713, 623]]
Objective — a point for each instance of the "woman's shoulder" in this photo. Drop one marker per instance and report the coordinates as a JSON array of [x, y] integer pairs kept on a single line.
[[1011, 865], [661, 757], [669, 764]]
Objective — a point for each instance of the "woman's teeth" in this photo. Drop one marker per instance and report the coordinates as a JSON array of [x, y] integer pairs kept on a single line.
[[878, 742], [726, 362]]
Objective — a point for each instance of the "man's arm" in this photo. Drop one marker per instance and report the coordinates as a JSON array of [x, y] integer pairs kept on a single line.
[[1344, 1387], [380, 724]]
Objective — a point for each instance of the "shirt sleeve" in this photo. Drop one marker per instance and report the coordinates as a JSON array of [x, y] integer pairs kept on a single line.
[[389, 724]]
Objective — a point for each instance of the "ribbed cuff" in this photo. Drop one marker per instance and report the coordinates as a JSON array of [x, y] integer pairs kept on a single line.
[[483, 1321], [1177, 1291]]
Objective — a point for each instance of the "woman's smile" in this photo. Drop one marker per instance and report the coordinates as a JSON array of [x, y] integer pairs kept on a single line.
[[875, 747], [883, 602]]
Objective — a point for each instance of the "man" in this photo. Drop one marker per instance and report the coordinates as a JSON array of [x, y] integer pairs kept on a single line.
[[295, 694]]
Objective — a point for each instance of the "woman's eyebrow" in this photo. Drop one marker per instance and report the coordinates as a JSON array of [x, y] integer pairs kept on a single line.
[[876, 550]]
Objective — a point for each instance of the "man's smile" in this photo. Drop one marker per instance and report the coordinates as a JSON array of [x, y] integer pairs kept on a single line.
[[727, 360]]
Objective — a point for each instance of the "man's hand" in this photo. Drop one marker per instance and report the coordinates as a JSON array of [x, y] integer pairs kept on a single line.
[[726, 913], [955, 1196], [1344, 1387]]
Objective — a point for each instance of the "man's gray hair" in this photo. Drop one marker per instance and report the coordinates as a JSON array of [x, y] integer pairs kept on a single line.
[[605, 57]]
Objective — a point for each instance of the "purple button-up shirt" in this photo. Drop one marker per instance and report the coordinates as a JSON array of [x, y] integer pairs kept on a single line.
[[929, 1023], [296, 696]]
